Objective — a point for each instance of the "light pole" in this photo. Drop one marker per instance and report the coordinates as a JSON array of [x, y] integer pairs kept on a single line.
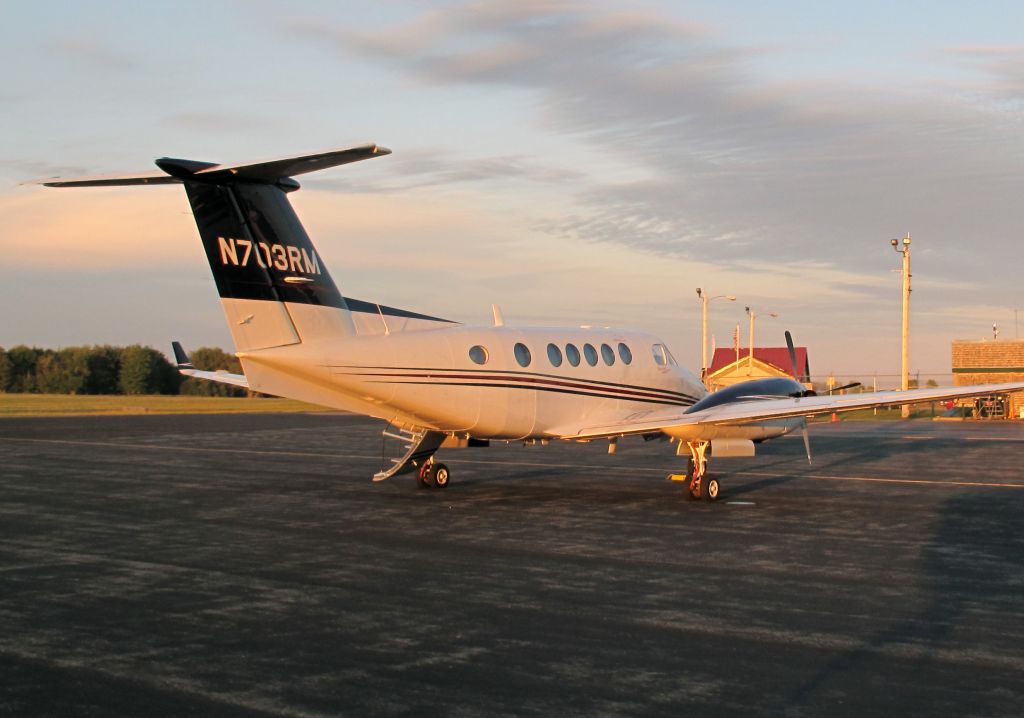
[[753, 320], [905, 370], [703, 296]]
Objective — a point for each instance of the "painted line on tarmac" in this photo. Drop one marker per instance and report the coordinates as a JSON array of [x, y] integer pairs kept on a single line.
[[492, 462], [994, 438], [309, 454], [872, 479]]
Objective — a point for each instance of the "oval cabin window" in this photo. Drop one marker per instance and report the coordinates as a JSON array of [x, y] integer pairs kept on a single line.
[[522, 354], [607, 354], [590, 353], [478, 354], [554, 355], [572, 354], [625, 354]]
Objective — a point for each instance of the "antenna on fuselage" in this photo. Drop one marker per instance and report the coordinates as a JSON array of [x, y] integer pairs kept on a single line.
[[499, 321]]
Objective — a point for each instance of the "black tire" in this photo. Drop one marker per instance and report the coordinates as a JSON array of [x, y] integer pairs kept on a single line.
[[441, 476], [425, 476], [709, 488]]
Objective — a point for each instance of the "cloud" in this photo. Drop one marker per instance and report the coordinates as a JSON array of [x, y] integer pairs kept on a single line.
[[733, 163], [42, 228], [93, 50], [220, 122], [1002, 65], [429, 168]]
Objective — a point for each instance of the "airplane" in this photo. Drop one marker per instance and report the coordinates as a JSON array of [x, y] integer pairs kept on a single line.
[[439, 383]]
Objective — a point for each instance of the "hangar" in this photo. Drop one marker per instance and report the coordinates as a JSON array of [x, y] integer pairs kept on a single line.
[[988, 362]]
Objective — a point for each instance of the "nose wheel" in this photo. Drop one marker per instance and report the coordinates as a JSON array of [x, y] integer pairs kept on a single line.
[[433, 476]]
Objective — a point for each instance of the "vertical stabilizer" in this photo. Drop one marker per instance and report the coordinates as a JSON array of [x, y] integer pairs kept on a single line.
[[273, 285]]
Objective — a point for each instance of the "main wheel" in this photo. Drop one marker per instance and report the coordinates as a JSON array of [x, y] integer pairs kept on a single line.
[[441, 476], [425, 476], [709, 488]]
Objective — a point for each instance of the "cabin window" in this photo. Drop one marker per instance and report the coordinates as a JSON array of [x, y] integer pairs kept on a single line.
[[607, 354], [554, 355], [572, 354], [625, 354], [522, 354], [590, 353], [658, 350], [478, 354]]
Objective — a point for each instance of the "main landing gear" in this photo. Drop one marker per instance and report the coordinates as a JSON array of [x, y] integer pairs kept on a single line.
[[433, 476], [700, 484]]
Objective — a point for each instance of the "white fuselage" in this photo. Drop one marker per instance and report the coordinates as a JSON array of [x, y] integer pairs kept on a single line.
[[429, 378]]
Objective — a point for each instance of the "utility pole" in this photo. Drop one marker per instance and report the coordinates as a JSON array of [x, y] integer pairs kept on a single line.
[[905, 370], [750, 356], [703, 296], [753, 320]]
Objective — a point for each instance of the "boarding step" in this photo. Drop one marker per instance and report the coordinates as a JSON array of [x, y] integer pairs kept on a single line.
[[413, 447]]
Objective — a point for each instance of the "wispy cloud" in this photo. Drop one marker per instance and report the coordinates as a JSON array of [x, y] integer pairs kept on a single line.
[[1002, 66], [96, 51], [94, 228], [428, 168], [733, 161]]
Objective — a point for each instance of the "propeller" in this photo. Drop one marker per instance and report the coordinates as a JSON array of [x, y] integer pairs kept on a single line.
[[808, 392], [844, 386]]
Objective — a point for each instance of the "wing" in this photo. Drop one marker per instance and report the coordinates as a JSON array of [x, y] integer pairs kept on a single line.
[[765, 409]]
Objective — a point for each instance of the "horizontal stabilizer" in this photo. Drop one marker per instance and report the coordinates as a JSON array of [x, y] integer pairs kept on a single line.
[[265, 171], [110, 180], [222, 377]]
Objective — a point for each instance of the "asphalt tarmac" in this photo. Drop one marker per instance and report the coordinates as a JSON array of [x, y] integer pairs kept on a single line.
[[245, 565]]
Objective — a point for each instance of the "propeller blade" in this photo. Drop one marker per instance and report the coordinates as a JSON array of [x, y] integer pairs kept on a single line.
[[792, 354], [807, 442], [845, 386]]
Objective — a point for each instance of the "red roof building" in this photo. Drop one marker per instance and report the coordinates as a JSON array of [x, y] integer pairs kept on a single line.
[[726, 370]]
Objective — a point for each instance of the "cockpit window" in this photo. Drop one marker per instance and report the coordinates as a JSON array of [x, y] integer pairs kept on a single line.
[[659, 352]]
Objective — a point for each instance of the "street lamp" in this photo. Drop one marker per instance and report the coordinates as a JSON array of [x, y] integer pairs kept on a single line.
[[753, 320], [905, 371], [703, 296]]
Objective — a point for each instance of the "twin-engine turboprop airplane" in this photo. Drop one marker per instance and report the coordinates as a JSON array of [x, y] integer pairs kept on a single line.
[[438, 382]]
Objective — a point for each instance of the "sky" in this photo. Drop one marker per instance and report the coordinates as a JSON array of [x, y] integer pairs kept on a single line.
[[572, 162]]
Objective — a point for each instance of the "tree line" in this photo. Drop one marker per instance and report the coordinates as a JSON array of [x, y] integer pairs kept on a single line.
[[109, 369]]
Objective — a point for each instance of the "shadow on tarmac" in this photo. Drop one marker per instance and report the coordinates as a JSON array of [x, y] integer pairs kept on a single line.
[[971, 568]]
